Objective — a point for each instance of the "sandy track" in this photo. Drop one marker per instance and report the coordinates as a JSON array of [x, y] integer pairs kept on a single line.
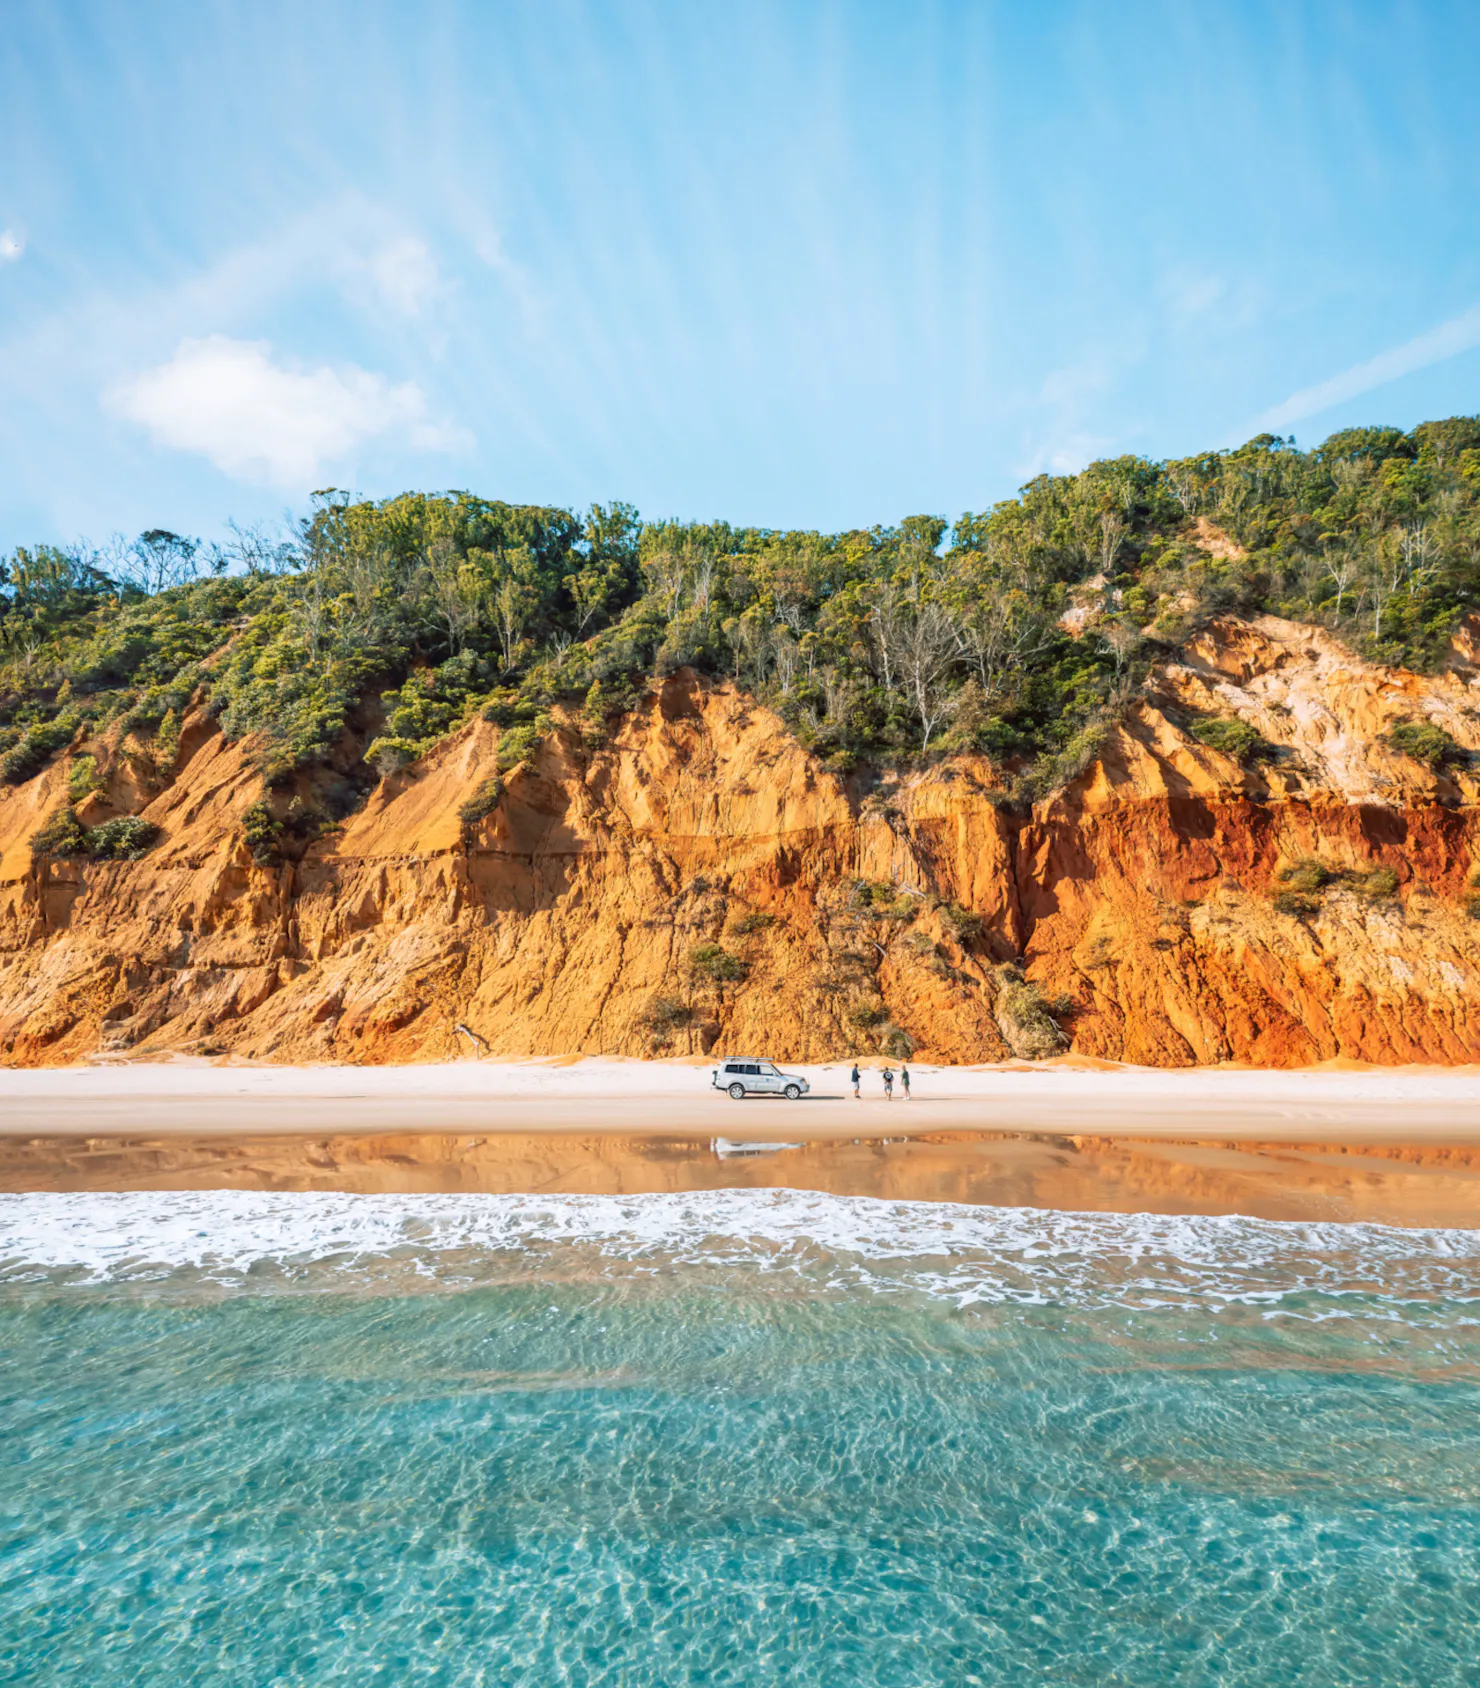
[[1391, 1107]]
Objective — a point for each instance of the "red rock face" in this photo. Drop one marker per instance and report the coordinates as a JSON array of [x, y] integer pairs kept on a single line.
[[1139, 904]]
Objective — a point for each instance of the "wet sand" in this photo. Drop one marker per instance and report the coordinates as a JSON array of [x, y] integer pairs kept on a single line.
[[1434, 1186]]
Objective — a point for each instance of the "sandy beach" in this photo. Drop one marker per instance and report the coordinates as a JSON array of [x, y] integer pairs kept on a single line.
[[1395, 1146], [1336, 1106]]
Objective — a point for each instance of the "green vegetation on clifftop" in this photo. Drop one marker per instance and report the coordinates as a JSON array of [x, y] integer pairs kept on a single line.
[[376, 628]]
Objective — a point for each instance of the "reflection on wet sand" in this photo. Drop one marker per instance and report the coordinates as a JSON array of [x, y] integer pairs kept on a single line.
[[1414, 1185]]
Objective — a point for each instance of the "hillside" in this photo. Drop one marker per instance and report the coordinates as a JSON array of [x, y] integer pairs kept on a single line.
[[1146, 898], [1167, 763]]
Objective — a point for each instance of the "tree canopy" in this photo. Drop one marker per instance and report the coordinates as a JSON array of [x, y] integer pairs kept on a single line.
[[374, 627]]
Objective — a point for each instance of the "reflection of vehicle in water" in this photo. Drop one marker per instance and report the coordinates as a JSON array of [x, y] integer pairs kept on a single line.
[[757, 1078]]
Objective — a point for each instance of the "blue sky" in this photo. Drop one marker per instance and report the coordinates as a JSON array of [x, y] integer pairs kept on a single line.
[[793, 264]]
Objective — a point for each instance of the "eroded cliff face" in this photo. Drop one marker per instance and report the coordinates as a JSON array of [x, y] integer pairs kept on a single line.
[[1140, 900]]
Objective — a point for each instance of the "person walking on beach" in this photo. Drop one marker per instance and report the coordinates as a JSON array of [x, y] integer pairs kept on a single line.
[[904, 1078], [855, 1081], [889, 1084]]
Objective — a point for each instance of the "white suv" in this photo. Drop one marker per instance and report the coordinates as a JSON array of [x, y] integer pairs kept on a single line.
[[757, 1078]]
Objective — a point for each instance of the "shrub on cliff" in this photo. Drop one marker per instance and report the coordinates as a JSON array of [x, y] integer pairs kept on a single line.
[[61, 834], [666, 1014], [714, 962], [1378, 886], [83, 779], [272, 837], [964, 924], [1299, 886], [1425, 742], [36, 747], [124, 839], [1233, 738], [516, 745], [884, 902], [1023, 1017], [1308, 876], [261, 832], [482, 803], [757, 920]]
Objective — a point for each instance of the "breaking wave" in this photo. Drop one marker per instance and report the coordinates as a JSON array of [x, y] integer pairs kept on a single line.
[[964, 1255]]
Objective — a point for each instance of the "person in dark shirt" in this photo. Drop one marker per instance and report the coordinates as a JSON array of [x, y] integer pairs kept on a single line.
[[889, 1084], [855, 1080]]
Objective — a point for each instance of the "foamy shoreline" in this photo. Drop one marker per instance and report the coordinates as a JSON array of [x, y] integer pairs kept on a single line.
[[605, 1095]]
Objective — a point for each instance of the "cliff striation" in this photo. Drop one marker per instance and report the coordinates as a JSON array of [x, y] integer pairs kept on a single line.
[[695, 880]]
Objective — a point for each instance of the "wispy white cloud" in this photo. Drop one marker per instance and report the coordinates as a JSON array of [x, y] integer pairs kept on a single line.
[[12, 245], [269, 421], [1459, 334], [1069, 402], [400, 275]]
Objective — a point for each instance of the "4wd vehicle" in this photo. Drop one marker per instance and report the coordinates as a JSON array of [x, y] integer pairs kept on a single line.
[[757, 1078]]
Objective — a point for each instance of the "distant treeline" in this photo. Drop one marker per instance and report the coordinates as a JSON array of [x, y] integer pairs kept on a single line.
[[374, 628]]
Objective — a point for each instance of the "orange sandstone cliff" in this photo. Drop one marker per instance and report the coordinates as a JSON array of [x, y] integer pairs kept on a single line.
[[1135, 909]]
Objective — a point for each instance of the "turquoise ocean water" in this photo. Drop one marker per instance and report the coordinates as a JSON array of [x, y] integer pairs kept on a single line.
[[746, 1437]]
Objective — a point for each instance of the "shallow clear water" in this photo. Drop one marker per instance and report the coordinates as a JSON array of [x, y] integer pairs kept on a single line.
[[736, 1438]]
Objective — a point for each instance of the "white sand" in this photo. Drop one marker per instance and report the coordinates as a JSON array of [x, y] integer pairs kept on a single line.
[[1331, 1105]]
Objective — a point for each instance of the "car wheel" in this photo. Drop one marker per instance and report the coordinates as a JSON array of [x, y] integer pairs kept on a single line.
[[737, 1092], [793, 1091]]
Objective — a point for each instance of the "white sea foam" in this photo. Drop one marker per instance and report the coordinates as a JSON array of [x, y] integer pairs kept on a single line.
[[963, 1254]]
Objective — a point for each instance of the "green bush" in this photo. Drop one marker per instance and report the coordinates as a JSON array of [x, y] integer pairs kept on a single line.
[[82, 778], [262, 832], [482, 803], [1378, 886], [964, 923], [756, 921], [867, 1014], [1425, 742], [666, 1014], [1233, 738], [883, 902], [23, 761], [609, 698], [124, 839], [516, 745], [389, 755], [1023, 1017], [1308, 876], [62, 834], [713, 962]]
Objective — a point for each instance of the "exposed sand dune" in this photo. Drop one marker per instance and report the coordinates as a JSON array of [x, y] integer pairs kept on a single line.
[[1144, 900]]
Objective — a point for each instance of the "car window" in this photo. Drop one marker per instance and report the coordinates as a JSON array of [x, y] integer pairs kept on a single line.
[[768, 1069], [753, 1070]]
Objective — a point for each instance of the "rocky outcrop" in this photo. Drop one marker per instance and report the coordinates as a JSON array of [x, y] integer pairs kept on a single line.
[[1135, 911]]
